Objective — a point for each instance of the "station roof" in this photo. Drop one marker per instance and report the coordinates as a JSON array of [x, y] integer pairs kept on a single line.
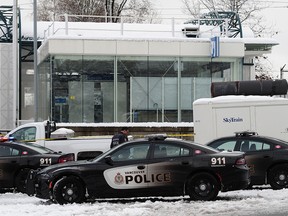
[[146, 32]]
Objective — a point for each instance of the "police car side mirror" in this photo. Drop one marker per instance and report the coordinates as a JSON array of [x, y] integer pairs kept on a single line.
[[109, 160]]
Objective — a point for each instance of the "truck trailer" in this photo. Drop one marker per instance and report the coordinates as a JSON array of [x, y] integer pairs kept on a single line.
[[225, 115]]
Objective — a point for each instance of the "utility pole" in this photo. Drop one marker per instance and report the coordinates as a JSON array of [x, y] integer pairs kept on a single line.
[[15, 65], [36, 87]]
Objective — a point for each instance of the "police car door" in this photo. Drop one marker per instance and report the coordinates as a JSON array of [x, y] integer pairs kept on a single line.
[[9, 163], [259, 157], [129, 170], [168, 168]]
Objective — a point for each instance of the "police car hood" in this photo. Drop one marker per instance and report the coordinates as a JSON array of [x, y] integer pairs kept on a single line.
[[69, 164]]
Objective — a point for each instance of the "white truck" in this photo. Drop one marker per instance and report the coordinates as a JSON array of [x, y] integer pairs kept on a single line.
[[224, 115], [60, 140]]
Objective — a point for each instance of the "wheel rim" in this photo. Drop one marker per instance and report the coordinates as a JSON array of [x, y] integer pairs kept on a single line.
[[70, 192], [203, 187], [281, 178]]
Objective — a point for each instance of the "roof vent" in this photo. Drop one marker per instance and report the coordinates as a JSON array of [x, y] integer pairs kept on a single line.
[[191, 31]]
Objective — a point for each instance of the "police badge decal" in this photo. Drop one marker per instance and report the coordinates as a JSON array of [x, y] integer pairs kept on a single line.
[[119, 179]]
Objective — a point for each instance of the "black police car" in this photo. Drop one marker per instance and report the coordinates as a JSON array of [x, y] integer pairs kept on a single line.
[[266, 157], [17, 159], [153, 166]]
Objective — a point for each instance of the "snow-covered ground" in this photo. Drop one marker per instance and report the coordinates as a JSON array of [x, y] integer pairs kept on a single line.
[[260, 202]]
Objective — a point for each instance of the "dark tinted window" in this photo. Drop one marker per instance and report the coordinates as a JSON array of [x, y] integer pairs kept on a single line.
[[241, 145], [170, 150], [252, 145], [228, 145], [131, 152], [6, 151]]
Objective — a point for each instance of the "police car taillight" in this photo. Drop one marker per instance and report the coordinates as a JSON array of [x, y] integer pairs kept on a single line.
[[65, 158], [240, 161], [3, 139]]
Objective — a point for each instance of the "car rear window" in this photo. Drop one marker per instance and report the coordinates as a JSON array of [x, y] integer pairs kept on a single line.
[[170, 150], [38, 148]]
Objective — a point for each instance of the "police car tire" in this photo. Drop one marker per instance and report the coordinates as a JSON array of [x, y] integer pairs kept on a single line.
[[274, 177], [203, 186], [20, 180], [69, 190]]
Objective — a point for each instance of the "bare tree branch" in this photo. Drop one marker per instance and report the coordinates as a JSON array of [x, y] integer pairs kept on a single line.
[[50, 9], [248, 11]]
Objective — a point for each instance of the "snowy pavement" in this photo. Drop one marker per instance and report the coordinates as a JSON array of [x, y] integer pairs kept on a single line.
[[237, 203]]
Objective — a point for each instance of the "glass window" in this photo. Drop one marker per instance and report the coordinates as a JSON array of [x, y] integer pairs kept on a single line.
[[131, 152], [6, 151], [15, 152], [127, 88], [224, 145], [258, 146], [147, 89], [83, 85], [196, 77], [98, 89], [169, 150], [27, 90], [43, 94], [251, 145], [266, 146], [27, 134]]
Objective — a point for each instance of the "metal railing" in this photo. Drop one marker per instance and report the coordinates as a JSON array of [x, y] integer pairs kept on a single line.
[[65, 25]]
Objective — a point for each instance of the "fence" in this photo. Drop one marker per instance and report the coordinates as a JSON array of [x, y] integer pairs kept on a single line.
[[173, 26]]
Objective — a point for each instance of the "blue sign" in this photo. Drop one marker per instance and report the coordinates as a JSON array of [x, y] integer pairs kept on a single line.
[[215, 47], [60, 100]]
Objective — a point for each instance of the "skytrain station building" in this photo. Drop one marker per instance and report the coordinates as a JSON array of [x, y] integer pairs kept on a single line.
[[123, 72]]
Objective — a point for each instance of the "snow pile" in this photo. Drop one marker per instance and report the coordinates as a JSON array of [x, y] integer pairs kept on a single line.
[[256, 202], [62, 133]]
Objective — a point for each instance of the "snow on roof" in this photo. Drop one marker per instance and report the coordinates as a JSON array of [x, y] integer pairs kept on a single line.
[[129, 124], [240, 99], [109, 30], [134, 31]]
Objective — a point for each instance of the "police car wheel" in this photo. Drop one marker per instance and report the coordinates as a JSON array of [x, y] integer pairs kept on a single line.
[[20, 180], [69, 190], [203, 186], [278, 177]]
